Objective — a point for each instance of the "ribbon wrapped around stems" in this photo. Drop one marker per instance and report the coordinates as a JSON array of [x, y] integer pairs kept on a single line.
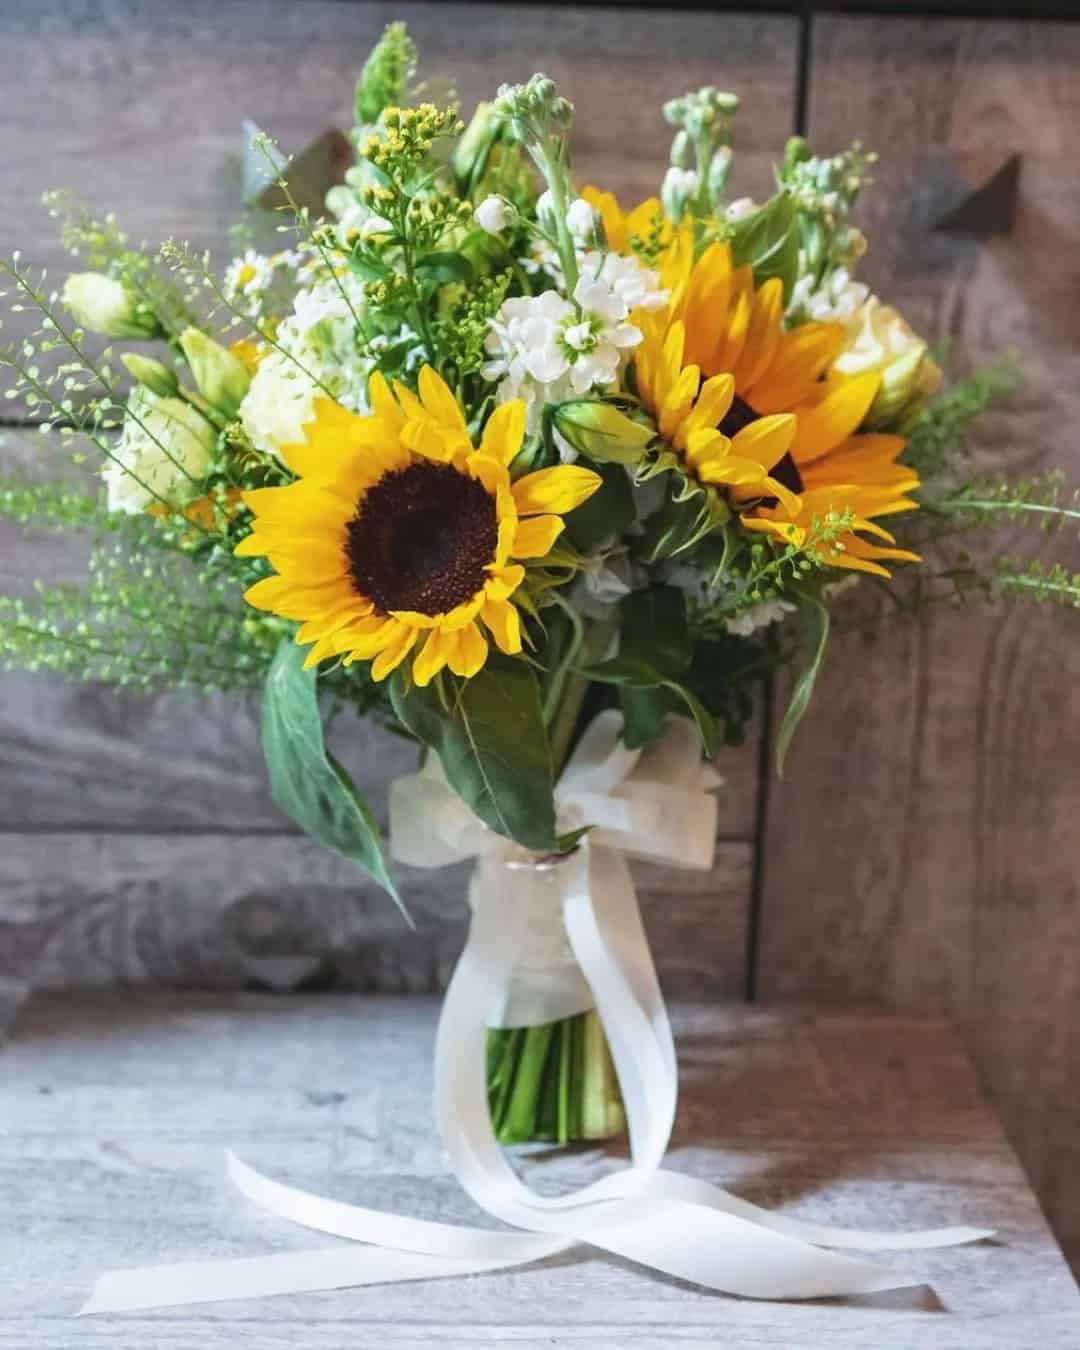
[[653, 804]]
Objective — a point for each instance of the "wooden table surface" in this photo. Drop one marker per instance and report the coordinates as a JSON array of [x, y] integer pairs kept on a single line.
[[114, 1111]]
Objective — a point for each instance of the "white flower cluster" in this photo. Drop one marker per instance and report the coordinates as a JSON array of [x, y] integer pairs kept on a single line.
[[319, 350], [762, 615], [249, 279], [839, 297], [546, 348], [164, 451]]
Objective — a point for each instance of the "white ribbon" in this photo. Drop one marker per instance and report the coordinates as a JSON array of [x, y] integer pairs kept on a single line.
[[652, 804]]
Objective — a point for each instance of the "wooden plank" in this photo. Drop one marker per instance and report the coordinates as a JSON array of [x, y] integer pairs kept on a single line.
[[922, 848], [114, 1112], [238, 911]]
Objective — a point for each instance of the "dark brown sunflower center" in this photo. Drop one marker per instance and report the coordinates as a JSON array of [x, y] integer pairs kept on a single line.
[[785, 471], [421, 539]]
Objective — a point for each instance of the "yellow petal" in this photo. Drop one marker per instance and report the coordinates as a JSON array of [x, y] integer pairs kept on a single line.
[[504, 622], [440, 402], [491, 472], [536, 536], [433, 656], [826, 423], [469, 652], [767, 440], [705, 446], [712, 406], [558, 489], [382, 401], [801, 357], [504, 581], [394, 653], [728, 352], [462, 614], [671, 364], [763, 335], [678, 401], [504, 432], [411, 407], [319, 652]]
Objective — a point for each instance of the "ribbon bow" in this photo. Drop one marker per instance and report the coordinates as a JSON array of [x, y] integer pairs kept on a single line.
[[652, 804]]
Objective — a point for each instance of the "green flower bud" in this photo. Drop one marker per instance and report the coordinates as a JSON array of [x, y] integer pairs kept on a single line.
[[599, 429], [473, 150], [220, 377], [101, 304], [682, 151], [158, 378], [719, 170]]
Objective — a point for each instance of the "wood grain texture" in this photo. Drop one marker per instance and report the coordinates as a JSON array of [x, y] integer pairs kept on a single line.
[[923, 847], [113, 1116]]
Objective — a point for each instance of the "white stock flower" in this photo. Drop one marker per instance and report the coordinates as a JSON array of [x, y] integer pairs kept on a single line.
[[165, 448], [278, 404], [762, 615], [582, 218], [494, 214], [838, 298]]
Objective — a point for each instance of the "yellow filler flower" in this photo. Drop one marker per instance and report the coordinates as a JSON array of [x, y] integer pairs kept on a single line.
[[400, 534], [743, 405]]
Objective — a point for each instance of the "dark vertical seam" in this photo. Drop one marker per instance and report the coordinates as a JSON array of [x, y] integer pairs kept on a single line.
[[768, 700]]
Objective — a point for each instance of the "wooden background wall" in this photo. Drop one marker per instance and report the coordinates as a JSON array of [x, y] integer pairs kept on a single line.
[[923, 849]]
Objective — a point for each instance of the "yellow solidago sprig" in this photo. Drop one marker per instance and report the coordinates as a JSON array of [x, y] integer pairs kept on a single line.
[[401, 537]]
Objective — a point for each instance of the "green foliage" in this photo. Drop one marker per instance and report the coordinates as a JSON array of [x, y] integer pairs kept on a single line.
[[638, 676], [939, 439], [815, 615], [489, 733], [768, 241], [387, 74], [307, 783], [144, 622]]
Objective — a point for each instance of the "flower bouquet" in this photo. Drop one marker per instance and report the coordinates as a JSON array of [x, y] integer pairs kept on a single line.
[[535, 480]]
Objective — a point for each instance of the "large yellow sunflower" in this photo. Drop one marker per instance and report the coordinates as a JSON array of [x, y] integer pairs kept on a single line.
[[399, 532], [743, 406]]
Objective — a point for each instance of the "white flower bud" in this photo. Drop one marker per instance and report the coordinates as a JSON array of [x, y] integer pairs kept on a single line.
[[676, 191], [742, 206], [103, 305], [494, 214], [582, 218], [545, 214]]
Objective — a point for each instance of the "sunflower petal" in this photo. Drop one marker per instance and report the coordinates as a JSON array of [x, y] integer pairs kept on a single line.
[[763, 335], [504, 622], [469, 652], [382, 401], [433, 656], [802, 356], [767, 440], [678, 401], [713, 403], [394, 653], [504, 432], [536, 536], [501, 584], [826, 423], [558, 489], [440, 402]]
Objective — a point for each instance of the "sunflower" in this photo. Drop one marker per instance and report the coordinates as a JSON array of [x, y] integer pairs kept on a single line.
[[621, 227], [743, 407], [400, 534]]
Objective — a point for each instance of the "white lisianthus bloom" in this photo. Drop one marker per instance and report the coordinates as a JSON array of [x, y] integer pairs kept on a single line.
[[494, 214], [875, 336], [582, 218], [762, 615], [164, 450], [278, 404], [101, 304]]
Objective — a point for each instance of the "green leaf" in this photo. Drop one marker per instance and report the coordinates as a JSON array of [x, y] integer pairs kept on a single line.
[[445, 267], [644, 711], [768, 239], [494, 749], [653, 628], [815, 617], [633, 673], [608, 511], [306, 782]]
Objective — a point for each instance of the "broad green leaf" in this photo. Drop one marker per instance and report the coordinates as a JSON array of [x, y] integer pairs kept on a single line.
[[633, 673], [491, 739], [306, 782], [445, 267], [815, 617], [768, 239], [653, 628], [644, 711]]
